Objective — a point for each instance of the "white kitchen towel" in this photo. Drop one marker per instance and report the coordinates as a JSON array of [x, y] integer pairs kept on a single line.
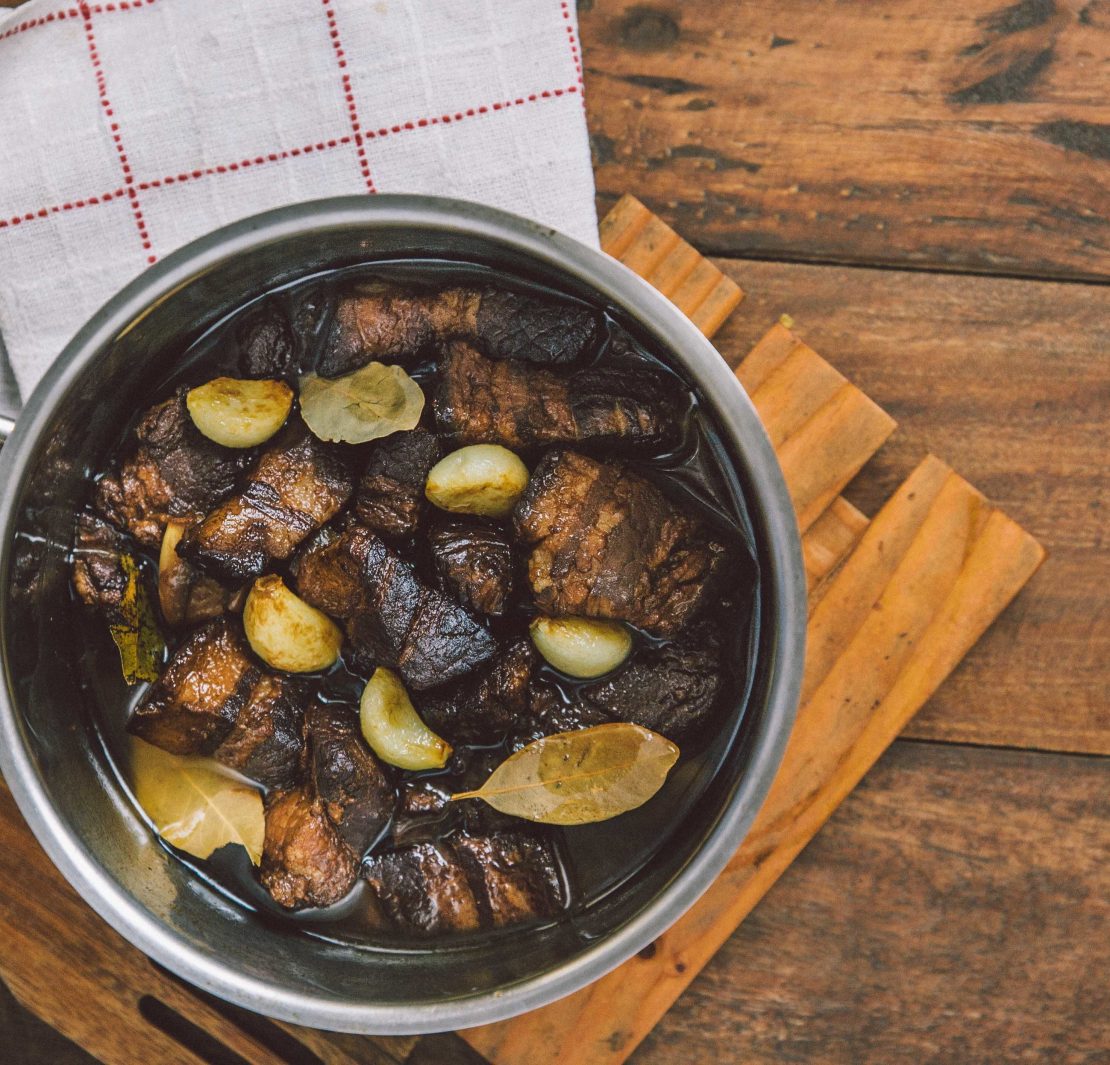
[[128, 129]]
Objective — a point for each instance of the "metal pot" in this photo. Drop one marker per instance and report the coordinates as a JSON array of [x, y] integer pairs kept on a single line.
[[57, 771]]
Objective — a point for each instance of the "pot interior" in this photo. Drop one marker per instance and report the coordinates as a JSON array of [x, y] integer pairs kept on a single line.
[[56, 708]]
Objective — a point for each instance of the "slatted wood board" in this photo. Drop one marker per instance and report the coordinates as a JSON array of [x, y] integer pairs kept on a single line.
[[895, 602]]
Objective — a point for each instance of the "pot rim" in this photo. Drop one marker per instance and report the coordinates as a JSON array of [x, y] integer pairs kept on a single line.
[[785, 582]]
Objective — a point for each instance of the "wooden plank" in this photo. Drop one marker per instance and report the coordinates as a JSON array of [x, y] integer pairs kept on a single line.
[[954, 909], [952, 135], [87, 962], [931, 572], [1010, 382], [823, 428], [647, 245], [39, 1043], [828, 542]]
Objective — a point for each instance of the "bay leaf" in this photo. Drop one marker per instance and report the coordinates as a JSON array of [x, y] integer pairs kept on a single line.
[[194, 806], [574, 778], [135, 629], [365, 405]]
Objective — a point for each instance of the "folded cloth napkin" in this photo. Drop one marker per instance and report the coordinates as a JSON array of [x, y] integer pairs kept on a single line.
[[130, 128]]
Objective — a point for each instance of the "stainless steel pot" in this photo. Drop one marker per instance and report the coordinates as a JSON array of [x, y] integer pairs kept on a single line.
[[57, 771]]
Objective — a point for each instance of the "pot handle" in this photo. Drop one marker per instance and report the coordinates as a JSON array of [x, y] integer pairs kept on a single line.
[[9, 397]]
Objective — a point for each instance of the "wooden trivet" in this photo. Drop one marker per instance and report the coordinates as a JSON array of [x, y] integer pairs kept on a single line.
[[895, 603]]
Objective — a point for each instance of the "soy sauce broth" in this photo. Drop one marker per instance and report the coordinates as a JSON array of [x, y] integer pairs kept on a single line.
[[594, 860]]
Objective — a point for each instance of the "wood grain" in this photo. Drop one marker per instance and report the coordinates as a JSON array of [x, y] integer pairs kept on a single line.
[[931, 572], [1010, 382], [828, 543], [822, 427], [954, 909], [954, 135], [648, 246], [38, 1042]]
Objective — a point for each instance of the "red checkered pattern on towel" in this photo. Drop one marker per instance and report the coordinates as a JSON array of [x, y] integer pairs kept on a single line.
[[128, 129]]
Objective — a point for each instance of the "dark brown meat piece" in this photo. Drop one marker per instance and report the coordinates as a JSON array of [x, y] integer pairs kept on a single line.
[[304, 860], [194, 704], [511, 325], [172, 471], [187, 596], [327, 572], [298, 484], [475, 562], [99, 577], [470, 882], [267, 740], [267, 344], [389, 614], [379, 321], [212, 699], [548, 713], [423, 888], [389, 497], [514, 876], [193, 597], [488, 704], [607, 543], [481, 401], [346, 775], [670, 689], [422, 798]]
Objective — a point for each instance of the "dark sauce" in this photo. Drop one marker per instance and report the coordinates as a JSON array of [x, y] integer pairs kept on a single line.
[[594, 859]]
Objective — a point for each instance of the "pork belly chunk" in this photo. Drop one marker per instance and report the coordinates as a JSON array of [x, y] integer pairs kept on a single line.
[[390, 616], [513, 325], [347, 776], [548, 713], [475, 563], [467, 883], [304, 860], [488, 704], [389, 497], [423, 888], [266, 741], [671, 689], [186, 595], [170, 470], [97, 570], [212, 699], [267, 344], [514, 876], [607, 543], [297, 485], [483, 401], [194, 704], [379, 321]]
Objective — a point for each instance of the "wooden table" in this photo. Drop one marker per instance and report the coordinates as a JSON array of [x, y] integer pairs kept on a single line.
[[925, 188]]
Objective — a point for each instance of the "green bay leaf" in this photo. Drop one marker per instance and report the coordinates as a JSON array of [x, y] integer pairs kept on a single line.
[[135, 629]]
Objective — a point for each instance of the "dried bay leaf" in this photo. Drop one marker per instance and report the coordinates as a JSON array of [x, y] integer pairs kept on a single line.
[[193, 806], [365, 405], [135, 629], [574, 778]]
